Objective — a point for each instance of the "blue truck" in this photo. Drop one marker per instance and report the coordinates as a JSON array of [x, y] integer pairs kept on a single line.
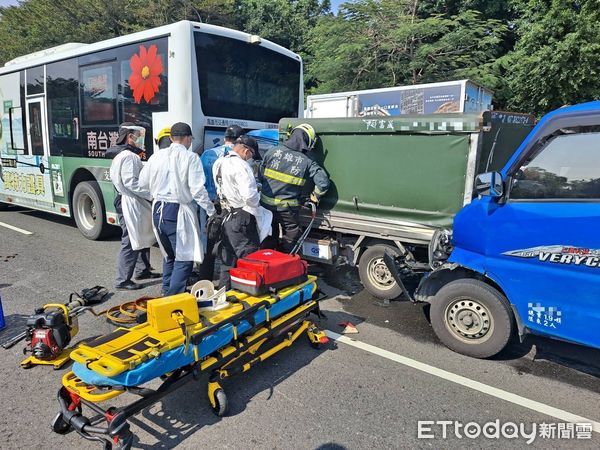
[[524, 255]]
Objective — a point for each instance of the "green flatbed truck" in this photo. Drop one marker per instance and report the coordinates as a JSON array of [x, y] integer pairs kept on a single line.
[[396, 180]]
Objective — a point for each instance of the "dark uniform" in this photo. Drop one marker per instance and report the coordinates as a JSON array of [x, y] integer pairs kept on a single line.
[[285, 171]]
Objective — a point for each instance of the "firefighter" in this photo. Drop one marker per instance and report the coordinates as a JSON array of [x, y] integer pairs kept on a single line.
[[283, 173]]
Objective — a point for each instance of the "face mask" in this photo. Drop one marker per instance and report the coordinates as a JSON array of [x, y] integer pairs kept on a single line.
[[139, 142]]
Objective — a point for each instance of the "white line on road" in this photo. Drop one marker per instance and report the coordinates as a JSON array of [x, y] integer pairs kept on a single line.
[[467, 382], [10, 227]]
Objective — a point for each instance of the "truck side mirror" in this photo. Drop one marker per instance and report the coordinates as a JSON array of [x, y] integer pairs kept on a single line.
[[489, 184]]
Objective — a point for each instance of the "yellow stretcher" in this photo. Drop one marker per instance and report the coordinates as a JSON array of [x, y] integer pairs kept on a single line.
[[177, 343]]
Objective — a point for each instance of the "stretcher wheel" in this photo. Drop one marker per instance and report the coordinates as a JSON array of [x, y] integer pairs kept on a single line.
[[124, 445], [59, 425], [221, 405], [315, 345]]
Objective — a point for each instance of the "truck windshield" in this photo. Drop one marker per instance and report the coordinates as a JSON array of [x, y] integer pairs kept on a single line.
[[245, 81]]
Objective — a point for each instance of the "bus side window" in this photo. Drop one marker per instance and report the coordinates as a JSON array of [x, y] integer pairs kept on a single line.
[[21, 125], [62, 83], [98, 94], [17, 137], [35, 80]]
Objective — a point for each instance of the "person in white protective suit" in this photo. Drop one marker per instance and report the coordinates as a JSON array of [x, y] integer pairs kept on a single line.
[[247, 223], [133, 207], [175, 179]]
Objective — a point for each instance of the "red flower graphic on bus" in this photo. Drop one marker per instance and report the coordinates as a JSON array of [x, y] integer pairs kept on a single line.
[[146, 68]]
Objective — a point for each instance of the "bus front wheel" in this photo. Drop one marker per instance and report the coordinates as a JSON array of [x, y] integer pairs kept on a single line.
[[88, 210]]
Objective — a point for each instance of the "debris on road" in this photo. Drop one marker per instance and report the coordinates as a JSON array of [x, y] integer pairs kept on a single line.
[[349, 328]]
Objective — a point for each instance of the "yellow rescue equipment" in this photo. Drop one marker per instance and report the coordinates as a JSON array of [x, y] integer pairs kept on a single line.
[[176, 343]]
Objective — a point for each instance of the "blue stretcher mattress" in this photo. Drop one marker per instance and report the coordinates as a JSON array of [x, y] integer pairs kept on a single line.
[[176, 358]]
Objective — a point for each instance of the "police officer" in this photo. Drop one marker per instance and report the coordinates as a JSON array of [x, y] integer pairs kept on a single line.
[[283, 173], [132, 204], [246, 223], [175, 178]]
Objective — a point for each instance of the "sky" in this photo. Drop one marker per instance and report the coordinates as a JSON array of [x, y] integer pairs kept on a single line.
[[335, 4]]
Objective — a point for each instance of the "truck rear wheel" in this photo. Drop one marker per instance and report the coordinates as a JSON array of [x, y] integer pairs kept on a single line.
[[374, 274], [88, 210], [472, 318]]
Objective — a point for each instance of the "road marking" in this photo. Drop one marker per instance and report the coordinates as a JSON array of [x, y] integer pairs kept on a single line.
[[10, 227], [467, 382]]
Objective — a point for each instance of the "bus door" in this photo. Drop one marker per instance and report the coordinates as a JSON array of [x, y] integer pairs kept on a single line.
[[35, 183]]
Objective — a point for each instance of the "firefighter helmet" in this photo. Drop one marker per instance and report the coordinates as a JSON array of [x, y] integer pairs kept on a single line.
[[310, 132]]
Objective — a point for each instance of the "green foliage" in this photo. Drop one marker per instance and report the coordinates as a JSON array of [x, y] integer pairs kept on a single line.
[[536, 55], [39, 24], [556, 59], [381, 43], [285, 22], [492, 9]]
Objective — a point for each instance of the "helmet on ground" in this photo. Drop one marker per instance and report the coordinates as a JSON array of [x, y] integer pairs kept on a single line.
[[310, 132]]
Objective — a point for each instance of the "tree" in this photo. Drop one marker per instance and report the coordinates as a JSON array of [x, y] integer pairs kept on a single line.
[[377, 43], [285, 22], [497, 9], [556, 59], [38, 24]]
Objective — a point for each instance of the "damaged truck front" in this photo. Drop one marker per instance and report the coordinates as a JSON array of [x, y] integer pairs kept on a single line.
[[397, 181], [524, 256]]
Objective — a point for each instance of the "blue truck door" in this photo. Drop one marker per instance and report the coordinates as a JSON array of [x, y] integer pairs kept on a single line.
[[544, 243]]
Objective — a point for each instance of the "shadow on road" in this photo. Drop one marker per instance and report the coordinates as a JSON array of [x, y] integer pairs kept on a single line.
[[186, 411], [571, 363]]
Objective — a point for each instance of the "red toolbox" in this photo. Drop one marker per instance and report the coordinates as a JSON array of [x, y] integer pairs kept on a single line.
[[267, 270]]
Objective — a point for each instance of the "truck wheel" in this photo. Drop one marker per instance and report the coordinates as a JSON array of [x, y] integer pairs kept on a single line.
[[88, 210], [472, 318], [374, 274]]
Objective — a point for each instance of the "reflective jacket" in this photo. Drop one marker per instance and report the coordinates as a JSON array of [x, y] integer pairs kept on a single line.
[[284, 173]]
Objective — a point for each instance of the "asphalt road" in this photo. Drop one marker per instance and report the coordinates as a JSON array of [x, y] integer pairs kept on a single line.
[[347, 395]]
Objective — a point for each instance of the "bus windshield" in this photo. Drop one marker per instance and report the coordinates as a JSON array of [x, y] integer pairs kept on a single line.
[[245, 81]]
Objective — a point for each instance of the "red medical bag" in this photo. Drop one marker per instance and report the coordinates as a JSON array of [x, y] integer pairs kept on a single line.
[[267, 270]]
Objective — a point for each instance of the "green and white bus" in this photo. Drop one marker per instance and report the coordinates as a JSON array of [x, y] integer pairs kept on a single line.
[[60, 108]]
